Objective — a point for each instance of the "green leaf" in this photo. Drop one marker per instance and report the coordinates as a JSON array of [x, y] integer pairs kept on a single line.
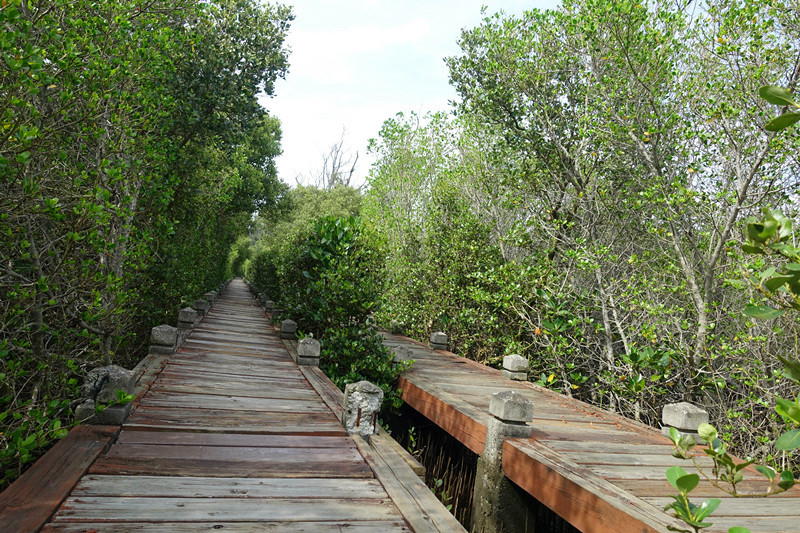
[[788, 441], [762, 312], [673, 473], [766, 471], [777, 282], [787, 480], [782, 121], [750, 249], [789, 409], [791, 368], [738, 529], [687, 483], [776, 95], [706, 508]]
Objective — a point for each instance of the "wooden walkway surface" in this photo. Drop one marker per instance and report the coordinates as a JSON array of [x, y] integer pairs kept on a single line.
[[232, 435], [599, 471]]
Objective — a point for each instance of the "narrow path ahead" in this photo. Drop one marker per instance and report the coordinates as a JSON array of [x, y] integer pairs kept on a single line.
[[231, 436]]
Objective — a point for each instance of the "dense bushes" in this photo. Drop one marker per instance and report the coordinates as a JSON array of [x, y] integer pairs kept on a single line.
[[585, 205], [329, 279], [133, 153]]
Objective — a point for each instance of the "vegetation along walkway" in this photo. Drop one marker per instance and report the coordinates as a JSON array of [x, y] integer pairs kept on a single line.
[[599, 471], [232, 435]]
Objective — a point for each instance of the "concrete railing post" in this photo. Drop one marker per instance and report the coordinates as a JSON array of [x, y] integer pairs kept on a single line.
[[515, 367], [163, 340], [210, 296], [308, 350], [187, 318], [683, 416], [99, 391], [361, 405], [439, 340], [288, 329], [497, 505], [201, 306]]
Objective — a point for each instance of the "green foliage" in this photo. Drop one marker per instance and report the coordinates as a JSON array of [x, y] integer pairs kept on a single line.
[[693, 515], [133, 153], [326, 272], [333, 295]]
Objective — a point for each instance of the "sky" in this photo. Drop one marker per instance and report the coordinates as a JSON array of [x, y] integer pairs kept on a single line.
[[356, 63]]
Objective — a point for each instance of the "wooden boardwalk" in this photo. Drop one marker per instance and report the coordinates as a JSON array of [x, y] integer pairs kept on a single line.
[[599, 471], [232, 435]]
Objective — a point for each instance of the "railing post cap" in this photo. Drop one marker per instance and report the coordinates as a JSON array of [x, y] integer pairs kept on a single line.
[[164, 335], [308, 347], [684, 415], [515, 363], [511, 406], [439, 337]]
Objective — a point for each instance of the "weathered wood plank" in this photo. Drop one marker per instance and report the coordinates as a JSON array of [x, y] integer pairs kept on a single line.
[[765, 507], [186, 438], [206, 401], [372, 526], [227, 487], [33, 498], [415, 500], [93, 508], [242, 421], [244, 390], [660, 487], [218, 468], [238, 453], [333, 398]]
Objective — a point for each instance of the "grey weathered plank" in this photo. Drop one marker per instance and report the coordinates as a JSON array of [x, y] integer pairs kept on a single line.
[[415, 500], [206, 487], [372, 526], [114, 509]]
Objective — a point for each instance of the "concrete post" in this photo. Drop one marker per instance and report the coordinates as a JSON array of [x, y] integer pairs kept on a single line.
[[210, 296], [439, 340], [497, 504], [515, 367], [187, 318], [308, 352], [100, 389], [163, 339], [683, 416], [269, 306], [362, 402], [201, 306], [288, 329]]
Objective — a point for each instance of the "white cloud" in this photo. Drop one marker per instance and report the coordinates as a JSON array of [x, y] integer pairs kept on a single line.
[[356, 63]]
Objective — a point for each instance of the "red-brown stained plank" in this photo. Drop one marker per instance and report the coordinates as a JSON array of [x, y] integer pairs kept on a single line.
[[31, 500], [458, 423], [588, 502]]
